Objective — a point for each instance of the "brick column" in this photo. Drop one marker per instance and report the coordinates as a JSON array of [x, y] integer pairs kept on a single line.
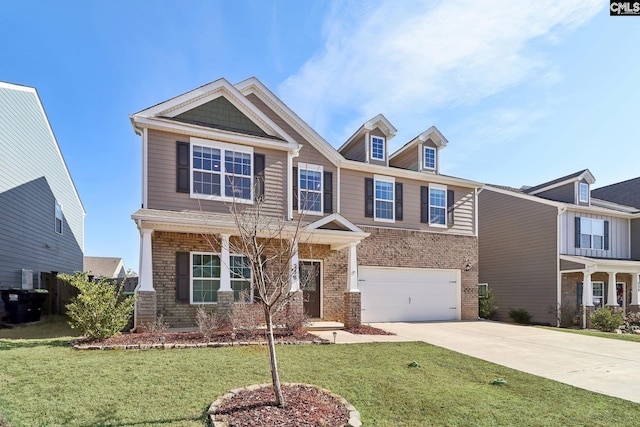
[[295, 308], [145, 309], [225, 305], [352, 309]]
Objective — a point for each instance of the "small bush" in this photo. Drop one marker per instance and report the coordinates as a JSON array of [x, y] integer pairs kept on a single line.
[[605, 320], [520, 315], [98, 311], [246, 318], [208, 322], [157, 327], [486, 309]]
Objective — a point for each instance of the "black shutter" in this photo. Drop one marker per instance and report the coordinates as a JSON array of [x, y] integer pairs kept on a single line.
[[182, 167], [580, 288], [606, 235], [182, 276], [258, 176], [424, 204], [294, 196], [398, 201], [328, 192], [577, 227], [605, 294], [450, 201], [368, 197]]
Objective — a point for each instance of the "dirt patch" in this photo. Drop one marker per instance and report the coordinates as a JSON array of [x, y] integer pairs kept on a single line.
[[367, 330]]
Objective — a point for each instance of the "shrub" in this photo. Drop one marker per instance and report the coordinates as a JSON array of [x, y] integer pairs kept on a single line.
[[486, 309], [157, 327], [520, 315], [98, 311], [292, 318], [246, 318], [605, 320], [208, 322]]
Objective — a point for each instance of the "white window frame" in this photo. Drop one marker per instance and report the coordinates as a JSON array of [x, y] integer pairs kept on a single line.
[[240, 279], [424, 158], [191, 278], [392, 181], [224, 148], [312, 168], [383, 140], [584, 185], [591, 234], [58, 215], [443, 188], [602, 297]]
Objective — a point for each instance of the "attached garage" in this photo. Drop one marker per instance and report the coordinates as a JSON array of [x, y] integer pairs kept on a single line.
[[396, 294]]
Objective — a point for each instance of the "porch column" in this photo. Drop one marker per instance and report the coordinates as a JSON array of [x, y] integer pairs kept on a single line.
[[145, 277], [612, 300], [634, 290], [225, 270], [294, 279], [352, 269], [587, 297]]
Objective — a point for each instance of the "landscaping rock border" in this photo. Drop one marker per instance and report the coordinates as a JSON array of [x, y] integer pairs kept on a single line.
[[166, 346], [354, 415]]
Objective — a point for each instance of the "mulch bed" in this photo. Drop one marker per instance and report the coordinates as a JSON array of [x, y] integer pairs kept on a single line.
[[306, 406], [367, 330]]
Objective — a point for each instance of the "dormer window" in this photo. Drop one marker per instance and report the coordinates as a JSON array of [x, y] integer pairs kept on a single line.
[[584, 192], [430, 158], [377, 148]]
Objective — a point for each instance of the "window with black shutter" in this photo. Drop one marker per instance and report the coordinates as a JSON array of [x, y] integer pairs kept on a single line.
[[424, 204], [294, 196], [368, 197], [450, 209], [258, 176], [182, 276], [399, 209], [328, 192], [182, 167]]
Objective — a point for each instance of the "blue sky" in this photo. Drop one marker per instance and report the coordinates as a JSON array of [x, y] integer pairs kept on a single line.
[[525, 92]]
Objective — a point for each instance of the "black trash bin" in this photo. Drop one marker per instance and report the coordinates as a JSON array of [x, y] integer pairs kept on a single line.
[[23, 305]]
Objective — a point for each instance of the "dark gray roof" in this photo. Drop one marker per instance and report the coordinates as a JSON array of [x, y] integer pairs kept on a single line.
[[555, 181], [625, 193]]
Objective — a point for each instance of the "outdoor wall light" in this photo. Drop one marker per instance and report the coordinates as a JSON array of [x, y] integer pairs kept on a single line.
[[467, 267]]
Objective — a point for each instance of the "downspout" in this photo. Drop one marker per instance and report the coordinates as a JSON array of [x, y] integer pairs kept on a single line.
[[338, 192], [561, 211], [477, 191]]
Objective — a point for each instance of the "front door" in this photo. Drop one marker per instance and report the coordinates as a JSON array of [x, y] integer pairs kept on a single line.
[[310, 282]]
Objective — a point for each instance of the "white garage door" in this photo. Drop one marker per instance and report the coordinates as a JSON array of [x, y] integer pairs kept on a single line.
[[409, 294]]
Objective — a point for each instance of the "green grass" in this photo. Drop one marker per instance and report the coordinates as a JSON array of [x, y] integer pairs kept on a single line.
[[45, 383], [594, 333]]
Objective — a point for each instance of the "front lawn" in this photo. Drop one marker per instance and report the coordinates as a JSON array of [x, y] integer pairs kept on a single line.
[[45, 383], [600, 334]]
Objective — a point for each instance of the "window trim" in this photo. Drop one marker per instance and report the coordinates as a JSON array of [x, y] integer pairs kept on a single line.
[[582, 185], [424, 158], [56, 219], [373, 157], [442, 188], [231, 277], [313, 168], [593, 296], [391, 180], [223, 147], [591, 234]]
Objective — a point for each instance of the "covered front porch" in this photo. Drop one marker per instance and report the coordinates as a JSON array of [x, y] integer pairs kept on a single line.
[[591, 283]]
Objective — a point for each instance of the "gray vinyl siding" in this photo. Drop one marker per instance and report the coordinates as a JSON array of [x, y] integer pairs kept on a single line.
[[518, 254], [161, 180], [356, 150], [618, 237], [635, 239], [33, 175], [565, 193], [407, 160], [352, 204]]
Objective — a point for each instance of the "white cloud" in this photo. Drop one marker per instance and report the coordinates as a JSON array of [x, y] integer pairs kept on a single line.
[[407, 59]]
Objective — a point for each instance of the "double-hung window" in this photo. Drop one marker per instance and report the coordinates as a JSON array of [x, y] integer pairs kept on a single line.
[[377, 148], [205, 278], [583, 189], [310, 189], [598, 294], [591, 233], [384, 198], [437, 205], [59, 219], [221, 171], [429, 158], [241, 278]]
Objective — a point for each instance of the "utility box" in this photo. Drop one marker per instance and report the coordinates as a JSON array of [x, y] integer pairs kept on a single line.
[[27, 279]]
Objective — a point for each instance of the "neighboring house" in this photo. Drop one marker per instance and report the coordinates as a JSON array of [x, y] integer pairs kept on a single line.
[[624, 193], [391, 238], [553, 249], [105, 267], [42, 217]]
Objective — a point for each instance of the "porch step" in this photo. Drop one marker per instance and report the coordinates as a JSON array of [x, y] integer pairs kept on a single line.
[[325, 326]]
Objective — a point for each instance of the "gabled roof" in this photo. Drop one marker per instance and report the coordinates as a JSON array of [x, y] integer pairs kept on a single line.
[[379, 121], [174, 113], [432, 133], [107, 267], [624, 193], [574, 177]]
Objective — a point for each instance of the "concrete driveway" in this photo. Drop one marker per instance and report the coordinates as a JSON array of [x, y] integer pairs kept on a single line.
[[606, 366]]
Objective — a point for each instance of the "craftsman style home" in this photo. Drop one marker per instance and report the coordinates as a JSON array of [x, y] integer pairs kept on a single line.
[[388, 236], [557, 251]]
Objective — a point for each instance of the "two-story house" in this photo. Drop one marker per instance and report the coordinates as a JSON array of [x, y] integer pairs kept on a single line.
[[556, 251], [390, 237], [42, 220]]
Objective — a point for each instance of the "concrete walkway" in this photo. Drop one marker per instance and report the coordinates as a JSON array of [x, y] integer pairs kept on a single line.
[[606, 366]]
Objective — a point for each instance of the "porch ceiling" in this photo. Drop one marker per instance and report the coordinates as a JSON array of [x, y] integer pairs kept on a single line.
[[599, 264]]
